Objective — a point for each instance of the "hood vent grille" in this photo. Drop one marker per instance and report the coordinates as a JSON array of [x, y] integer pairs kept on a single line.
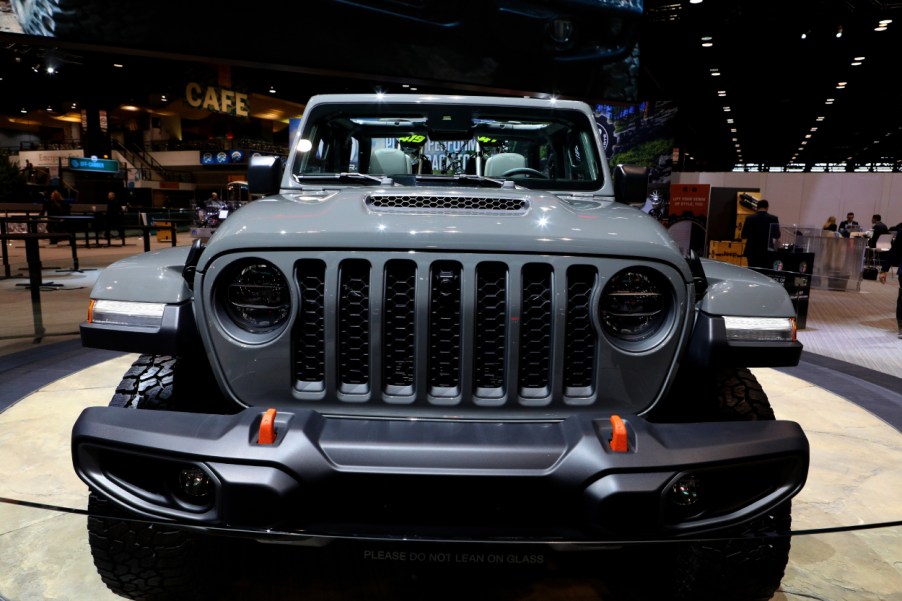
[[446, 203]]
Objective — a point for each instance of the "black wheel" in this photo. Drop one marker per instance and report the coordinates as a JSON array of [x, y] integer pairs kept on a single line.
[[747, 564], [147, 561], [138, 559], [170, 383]]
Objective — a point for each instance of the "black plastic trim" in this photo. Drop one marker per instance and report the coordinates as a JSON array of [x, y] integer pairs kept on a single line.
[[336, 476], [176, 334], [709, 347]]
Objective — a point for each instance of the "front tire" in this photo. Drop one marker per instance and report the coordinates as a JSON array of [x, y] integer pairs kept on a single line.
[[146, 561], [746, 564], [138, 559]]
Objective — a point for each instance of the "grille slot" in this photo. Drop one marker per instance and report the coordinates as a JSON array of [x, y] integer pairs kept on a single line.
[[445, 333]]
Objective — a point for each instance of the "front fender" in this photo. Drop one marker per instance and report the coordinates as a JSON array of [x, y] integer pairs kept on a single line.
[[154, 277], [147, 279], [735, 291]]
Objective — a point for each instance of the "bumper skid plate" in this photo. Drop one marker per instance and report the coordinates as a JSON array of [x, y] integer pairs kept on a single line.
[[440, 479]]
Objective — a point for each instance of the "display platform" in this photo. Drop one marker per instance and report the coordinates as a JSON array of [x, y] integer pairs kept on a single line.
[[836, 554]]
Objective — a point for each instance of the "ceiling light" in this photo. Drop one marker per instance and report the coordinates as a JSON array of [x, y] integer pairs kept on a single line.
[[839, 31], [117, 65], [805, 35], [50, 70], [885, 21], [807, 136], [272, 90], [22, 110], [695, 1], [821, 118]]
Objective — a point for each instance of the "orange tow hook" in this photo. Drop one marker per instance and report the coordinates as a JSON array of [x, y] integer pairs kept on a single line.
[[619, 443], [267, 433]]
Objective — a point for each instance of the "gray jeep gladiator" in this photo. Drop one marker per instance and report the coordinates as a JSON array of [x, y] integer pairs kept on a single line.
[[445, 323]]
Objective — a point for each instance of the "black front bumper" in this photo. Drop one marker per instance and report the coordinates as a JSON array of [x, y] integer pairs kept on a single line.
[[441, 479]]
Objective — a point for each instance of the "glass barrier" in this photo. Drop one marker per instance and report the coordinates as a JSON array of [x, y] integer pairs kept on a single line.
[[835, 262]]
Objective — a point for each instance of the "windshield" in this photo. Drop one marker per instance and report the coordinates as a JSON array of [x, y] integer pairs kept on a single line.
[[449, 144]]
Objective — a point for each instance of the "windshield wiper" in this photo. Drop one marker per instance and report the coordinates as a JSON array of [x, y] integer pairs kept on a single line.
[[383, 180], [478, 179]]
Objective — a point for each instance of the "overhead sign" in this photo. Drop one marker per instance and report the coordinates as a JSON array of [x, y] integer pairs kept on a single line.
[[87, 164], [218, 100]]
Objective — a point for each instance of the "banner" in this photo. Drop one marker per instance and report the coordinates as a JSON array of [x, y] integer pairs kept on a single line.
[[688, 218]]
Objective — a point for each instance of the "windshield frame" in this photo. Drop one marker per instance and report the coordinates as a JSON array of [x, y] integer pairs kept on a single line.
[[339, 138]]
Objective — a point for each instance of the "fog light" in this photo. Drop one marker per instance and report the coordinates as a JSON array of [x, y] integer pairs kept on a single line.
[[195, 482], [686, 492], [561, 31]]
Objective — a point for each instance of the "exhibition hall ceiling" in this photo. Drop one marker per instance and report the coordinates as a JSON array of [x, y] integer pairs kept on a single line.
[[805, 82], [761, 84]]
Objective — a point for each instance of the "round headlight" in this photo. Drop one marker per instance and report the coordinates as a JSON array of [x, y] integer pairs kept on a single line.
[[634, 305], [256, 297]]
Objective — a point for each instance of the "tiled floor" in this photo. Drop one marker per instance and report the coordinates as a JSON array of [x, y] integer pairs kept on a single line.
[[851, 414]]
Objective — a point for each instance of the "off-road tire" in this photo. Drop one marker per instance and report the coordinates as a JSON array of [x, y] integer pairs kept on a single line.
[[750, 566], [138, 559], [169, 383], [149, 561]]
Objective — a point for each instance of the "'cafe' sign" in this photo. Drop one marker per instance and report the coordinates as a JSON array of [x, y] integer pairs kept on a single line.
[[219, 100]]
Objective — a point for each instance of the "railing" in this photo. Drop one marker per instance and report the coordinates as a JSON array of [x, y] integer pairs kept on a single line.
[[149, 166]]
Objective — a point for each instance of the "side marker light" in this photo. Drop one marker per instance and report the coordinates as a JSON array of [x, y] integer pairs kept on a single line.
[[619, 443]]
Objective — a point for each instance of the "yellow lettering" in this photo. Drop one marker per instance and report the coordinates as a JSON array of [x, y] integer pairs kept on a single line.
[[228, 101], [241, 105], [211, 101], [191, 94]]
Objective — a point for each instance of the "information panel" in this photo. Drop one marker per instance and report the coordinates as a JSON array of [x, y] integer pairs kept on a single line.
[[88, 164]]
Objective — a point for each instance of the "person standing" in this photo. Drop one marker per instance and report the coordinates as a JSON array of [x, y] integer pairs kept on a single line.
[[114, 217], [756, 231], [830, 225], [55, 206], [878, 228], [848, 226], [891, 258]]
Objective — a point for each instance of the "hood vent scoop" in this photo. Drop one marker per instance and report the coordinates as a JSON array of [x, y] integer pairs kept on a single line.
[[454, 204]]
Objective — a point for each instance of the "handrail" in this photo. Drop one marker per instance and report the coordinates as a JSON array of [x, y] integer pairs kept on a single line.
[[145, 161]]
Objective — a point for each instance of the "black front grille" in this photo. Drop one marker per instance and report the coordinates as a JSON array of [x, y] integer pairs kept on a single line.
[[445, 332]]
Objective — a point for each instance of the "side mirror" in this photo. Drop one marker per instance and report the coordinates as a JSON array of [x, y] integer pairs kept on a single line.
[[264, 175], [630, 184]]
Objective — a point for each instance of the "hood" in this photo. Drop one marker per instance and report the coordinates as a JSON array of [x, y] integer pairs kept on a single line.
[[446, 219]]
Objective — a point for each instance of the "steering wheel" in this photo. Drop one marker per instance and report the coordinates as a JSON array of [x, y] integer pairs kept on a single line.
[[523, 171]]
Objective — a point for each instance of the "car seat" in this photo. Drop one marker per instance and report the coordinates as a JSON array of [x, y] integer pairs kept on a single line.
[[499, 164], [389, 161]]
